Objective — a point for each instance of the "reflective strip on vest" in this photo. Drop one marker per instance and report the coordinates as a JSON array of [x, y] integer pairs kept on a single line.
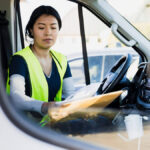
[[37, 78]]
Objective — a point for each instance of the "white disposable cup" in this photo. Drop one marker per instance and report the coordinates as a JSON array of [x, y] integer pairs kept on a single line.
[[134, 126]]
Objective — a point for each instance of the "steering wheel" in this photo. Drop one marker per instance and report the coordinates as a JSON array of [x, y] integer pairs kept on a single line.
[[114, 76]]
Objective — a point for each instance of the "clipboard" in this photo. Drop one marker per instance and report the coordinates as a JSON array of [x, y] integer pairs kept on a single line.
[[70, 107]]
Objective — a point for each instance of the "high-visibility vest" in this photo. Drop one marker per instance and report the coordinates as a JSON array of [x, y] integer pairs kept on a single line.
[[38, 81]]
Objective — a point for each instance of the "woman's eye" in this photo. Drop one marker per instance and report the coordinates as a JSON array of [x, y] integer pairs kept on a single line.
[[41, 28], [53, 28]]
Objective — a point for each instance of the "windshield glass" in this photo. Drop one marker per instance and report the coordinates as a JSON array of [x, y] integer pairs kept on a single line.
[[137, 14]]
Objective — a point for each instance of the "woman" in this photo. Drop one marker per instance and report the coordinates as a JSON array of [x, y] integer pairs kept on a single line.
[[38, 75]]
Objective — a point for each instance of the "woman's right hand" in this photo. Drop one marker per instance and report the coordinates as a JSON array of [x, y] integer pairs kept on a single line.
[[47, 105]]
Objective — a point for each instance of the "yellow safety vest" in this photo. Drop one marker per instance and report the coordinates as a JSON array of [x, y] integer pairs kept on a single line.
[[38, 81]]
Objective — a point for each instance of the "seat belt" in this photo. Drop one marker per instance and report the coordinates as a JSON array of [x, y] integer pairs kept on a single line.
[[5, 44]]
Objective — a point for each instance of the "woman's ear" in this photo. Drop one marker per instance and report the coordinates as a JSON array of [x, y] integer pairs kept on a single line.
[[31, 31]]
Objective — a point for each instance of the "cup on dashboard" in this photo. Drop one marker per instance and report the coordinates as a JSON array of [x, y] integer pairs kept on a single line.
[[134, 126]]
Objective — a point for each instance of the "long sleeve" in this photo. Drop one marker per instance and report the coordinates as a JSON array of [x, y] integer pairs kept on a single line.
[[68, 87], [17, 90]]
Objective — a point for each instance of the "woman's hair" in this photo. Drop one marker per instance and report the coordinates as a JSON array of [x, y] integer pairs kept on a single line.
[[41, 10]]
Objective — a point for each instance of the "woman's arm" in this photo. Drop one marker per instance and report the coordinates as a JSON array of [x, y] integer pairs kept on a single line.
[[68, 87], [24, 102], [17, 90], [68, 84], [18, 71]]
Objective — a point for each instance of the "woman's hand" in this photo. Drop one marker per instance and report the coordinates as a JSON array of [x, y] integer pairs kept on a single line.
[[47, 105]]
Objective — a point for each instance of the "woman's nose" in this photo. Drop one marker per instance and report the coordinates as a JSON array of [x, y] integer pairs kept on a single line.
[[48, 31]]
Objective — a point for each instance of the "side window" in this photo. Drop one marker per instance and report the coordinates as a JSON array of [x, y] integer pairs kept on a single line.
[[109, 61], [95, 67], [101, 42], [77, 71]]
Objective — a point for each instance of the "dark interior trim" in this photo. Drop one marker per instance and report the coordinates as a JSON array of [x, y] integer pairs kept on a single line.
[[84, 49], [20, 22]]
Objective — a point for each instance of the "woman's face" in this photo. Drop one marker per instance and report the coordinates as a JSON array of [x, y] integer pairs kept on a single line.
[[45, 31]]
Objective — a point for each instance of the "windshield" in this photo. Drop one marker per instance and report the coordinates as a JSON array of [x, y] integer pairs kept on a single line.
[[137, 14]]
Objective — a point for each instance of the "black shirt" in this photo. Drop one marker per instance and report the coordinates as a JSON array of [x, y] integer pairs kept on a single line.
[[19, 66]]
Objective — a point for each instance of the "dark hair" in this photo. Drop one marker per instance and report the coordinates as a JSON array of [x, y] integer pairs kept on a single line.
[[37, 13]]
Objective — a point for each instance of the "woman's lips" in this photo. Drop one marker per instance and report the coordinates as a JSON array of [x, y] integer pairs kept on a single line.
[[47, 40]]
